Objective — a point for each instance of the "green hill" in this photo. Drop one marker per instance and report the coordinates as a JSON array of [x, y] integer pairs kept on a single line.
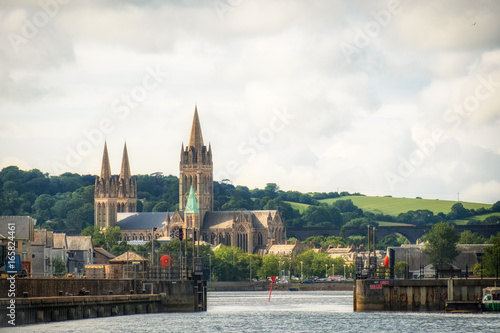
[[299, 206], [395, 206]]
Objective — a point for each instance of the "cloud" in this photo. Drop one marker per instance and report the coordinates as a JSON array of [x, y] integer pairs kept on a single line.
[[353, 121]]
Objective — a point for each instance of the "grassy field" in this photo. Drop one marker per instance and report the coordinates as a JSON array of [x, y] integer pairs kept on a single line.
[[300, 206], [477, 217], [395, 206], [393, 224]]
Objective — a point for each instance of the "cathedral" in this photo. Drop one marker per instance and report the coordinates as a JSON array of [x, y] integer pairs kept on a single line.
[[116, 204]]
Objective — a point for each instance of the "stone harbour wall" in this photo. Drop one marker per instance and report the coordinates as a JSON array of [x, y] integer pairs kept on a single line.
[[416, 295]]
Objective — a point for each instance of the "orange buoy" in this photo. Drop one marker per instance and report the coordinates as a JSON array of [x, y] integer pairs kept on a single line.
[[166, 260]]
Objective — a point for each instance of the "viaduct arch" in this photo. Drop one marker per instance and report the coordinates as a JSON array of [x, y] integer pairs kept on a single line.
[[412, 233]]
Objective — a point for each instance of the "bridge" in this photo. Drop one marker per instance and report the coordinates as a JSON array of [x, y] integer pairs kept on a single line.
[[412, 233]]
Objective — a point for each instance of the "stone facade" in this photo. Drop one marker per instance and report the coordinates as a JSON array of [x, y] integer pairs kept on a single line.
[[114, 194], [252, 231]]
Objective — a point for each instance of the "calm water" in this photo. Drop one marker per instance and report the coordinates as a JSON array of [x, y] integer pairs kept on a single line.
[[287, 312]]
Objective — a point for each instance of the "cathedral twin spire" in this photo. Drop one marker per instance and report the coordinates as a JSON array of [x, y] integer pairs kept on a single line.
[[113, 194], [106, 167]]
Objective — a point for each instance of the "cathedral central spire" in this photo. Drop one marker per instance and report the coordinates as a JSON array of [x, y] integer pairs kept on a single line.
[[196, 138], [196, 171]]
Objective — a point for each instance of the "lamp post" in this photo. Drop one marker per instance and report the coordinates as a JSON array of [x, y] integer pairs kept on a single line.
[[326, 271], [152, 248], [344, 271], [210, 274], [333, 271], [301, 275]]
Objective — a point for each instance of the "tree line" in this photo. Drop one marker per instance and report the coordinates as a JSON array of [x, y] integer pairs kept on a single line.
[[65, 203]]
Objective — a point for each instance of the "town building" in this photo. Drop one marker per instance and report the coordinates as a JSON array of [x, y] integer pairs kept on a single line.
[[21, 228], [102, 257], [80, 254], [252, 231], [45, 254]]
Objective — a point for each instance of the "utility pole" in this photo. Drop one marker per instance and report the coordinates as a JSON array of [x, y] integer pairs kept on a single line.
[[152, 249]]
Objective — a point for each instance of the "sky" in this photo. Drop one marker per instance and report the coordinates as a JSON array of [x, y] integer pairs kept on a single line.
[[396, 98]]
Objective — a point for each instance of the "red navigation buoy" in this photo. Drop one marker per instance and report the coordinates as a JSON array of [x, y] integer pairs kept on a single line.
[[271, 290], [165, 260], [386, 261]]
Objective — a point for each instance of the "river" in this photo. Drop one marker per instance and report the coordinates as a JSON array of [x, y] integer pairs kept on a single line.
[[288, 311]]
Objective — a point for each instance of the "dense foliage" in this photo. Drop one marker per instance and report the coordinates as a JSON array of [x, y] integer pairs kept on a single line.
[[490, 263], [65, 203], [442, 245]]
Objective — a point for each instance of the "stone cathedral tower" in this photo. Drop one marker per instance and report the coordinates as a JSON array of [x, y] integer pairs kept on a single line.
[[196, 170], [114, 194]]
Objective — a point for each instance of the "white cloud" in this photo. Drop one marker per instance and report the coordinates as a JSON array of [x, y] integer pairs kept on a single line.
[[352, 122]]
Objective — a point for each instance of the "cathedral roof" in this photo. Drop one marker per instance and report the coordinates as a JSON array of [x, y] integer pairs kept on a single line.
[[138, 221], [224, 219]]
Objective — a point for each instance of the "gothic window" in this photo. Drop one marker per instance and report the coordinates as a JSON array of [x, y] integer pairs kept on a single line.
[[242, 239], [221, 239], [259, 239]]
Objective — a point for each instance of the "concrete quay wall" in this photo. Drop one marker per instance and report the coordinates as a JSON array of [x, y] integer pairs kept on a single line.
[[415, 295], [47, 287], [162, 296], [49, 309]]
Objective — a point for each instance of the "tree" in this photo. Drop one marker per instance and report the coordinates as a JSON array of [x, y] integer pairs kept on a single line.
[[469, 237], [316, 215], [401, 269], [490, 261], [458, 211], [225, 264], [442, 245], [271, 190], [121, 248], [59, 267], [345, 205], [269, 267]]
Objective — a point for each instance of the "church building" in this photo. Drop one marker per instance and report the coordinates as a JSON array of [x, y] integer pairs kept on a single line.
[[116, 196]]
